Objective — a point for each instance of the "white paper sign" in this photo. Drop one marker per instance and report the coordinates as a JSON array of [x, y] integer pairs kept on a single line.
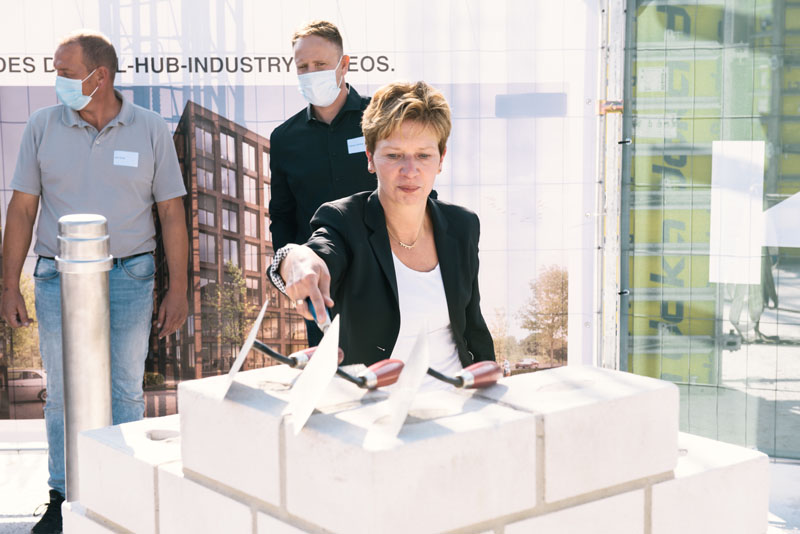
[[737, 222], [651, 80], [781, 223]]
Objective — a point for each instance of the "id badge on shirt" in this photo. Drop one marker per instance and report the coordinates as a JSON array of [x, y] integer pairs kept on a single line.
[[356, 145], [124, 158]]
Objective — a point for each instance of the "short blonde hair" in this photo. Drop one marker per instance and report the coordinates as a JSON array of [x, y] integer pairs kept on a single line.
[[393, 104], [321, 28]]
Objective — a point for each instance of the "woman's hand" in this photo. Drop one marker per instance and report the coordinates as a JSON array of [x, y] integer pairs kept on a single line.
[[306, 275]]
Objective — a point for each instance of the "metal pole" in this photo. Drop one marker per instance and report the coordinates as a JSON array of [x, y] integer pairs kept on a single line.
[[611, 263], [84, 261]]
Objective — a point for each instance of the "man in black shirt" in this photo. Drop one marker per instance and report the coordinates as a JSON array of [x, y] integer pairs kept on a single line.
[[317, 155]]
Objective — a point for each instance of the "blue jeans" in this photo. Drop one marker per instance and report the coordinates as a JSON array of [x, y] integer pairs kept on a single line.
[[131, 296]]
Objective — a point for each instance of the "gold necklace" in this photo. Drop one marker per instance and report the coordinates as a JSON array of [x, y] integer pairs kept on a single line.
[[404, 245]]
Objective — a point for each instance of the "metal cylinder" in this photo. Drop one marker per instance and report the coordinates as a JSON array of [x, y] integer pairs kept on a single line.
[[84, 261]]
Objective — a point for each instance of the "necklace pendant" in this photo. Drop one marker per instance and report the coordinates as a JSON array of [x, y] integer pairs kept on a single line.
[[405, 246]]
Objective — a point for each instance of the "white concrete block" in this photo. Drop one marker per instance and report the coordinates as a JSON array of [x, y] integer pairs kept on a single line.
[[601, 427], [459, 461], [266, 524], [186, 506], [117, 469], [620, 514], [75, 521], [717, 487], [235, 441]]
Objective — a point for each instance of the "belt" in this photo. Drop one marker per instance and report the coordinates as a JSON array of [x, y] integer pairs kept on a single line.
[[117, 261]]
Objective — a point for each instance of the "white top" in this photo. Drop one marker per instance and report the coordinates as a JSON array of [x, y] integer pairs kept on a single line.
[[423, 305]]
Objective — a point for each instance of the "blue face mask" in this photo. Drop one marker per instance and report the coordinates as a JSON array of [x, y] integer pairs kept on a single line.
[[70, 92]]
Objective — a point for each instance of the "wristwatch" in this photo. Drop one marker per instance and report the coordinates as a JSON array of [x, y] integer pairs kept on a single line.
[[274, 269]]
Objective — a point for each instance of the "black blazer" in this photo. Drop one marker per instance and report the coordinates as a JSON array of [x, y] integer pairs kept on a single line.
[[350, 236]]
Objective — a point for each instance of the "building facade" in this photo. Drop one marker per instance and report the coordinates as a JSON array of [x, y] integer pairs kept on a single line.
[[226, 172]]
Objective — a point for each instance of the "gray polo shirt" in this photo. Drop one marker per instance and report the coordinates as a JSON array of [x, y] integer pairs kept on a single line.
[[117, 173]]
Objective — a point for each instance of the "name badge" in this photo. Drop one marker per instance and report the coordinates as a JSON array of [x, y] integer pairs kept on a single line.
[[123, 158], [356, 145]]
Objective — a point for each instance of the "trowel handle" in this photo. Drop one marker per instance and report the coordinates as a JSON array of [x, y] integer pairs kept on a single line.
[[325, 324], [481, 375], [301, 357], [382, 373]]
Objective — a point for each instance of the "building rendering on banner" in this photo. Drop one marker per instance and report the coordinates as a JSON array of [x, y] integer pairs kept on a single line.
[[226, 171], [644, 154]]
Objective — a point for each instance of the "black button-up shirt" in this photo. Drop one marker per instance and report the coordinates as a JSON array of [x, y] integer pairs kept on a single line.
[[311, 164]]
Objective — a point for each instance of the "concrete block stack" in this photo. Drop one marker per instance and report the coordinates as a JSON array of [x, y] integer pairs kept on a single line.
[[569, 450]]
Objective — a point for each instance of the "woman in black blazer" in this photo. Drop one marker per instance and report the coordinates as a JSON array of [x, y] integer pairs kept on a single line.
[[395, 260]]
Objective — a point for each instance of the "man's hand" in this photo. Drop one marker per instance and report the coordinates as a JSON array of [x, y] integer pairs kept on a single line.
[[174, 308], [172, 313], [13, 308], [22, 210], [306, 275]]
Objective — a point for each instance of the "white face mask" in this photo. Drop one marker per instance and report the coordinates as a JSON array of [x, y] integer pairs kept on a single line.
[[70, 92], [320, 88]]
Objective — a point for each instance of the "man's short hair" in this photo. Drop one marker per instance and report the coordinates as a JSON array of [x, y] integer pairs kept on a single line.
[[97, 50], [321, 28], [393, 104]]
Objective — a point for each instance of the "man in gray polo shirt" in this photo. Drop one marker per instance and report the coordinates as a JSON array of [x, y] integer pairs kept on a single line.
[[95, 153]]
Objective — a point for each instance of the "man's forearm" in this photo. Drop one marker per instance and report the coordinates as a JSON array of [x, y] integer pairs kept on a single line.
[[16, 240], [176, 250], [176, 245], [15, 248]]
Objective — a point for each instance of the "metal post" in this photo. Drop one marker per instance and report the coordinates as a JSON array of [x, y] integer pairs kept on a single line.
[[611, 264], [84, 261]]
